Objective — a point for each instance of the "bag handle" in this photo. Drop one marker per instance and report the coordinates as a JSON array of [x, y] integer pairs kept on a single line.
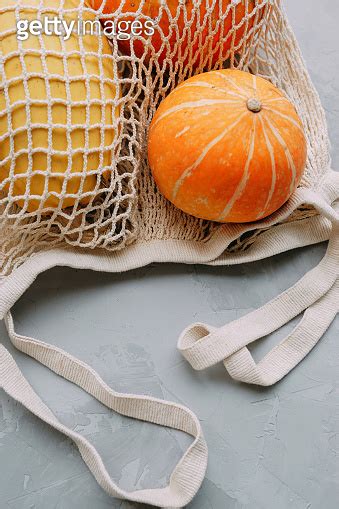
[[188, 474], [292, 350], [204, 346]]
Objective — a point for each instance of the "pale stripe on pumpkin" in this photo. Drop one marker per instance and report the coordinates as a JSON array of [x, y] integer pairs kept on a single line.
[[274, 169], [287, 153], [205, 84], [239, 191], [183, 131], [191, 105], [286, 117], [275, 99], [230, 81], [187, 173]]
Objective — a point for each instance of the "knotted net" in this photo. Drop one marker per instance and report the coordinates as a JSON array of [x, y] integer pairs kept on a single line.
[[74, 115]]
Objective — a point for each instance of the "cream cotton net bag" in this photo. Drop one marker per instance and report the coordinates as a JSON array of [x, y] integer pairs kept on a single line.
[[110, 216]]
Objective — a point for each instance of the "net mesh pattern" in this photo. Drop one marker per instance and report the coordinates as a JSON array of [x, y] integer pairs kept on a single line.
[[74, 115]]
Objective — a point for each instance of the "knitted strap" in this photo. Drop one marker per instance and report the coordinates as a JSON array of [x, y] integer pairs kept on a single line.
[[292, 350], [317, 292], [188, 473]]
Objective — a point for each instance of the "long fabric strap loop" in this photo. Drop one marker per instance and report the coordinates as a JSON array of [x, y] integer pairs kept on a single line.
[[188, 474], [287, 354], [203, 345]]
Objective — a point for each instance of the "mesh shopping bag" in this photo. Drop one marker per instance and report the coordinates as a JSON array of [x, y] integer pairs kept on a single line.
[[76, 189]]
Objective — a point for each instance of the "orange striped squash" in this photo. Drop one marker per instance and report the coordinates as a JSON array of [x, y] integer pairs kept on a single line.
[[171, 21], [227, 146]]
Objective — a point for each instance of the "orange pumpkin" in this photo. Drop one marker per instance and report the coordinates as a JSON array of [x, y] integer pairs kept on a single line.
[[179, 43], [227, 146]]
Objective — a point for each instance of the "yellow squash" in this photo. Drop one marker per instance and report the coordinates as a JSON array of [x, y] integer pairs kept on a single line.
[[52, 164]]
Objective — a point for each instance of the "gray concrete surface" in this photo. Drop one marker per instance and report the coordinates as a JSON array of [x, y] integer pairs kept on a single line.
[[269, 448]]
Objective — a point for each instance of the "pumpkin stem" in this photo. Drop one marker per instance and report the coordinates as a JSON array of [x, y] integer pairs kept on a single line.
[[254, 105]]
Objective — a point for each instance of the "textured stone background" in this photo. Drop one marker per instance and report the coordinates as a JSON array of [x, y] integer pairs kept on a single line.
[[269, 448]]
